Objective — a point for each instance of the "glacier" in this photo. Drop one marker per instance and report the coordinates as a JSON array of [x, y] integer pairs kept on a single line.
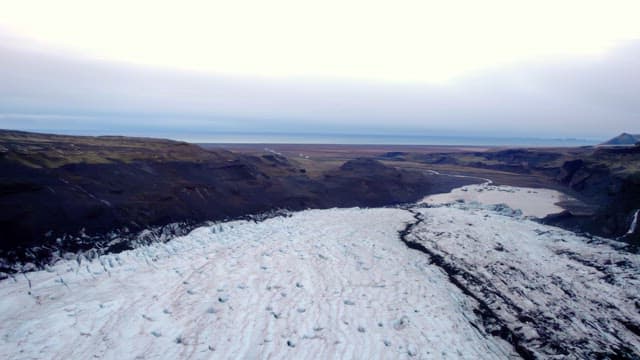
[[453, 281]]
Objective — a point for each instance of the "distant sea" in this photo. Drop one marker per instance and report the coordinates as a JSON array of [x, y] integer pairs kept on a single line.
[[336, 138], [369, 139]]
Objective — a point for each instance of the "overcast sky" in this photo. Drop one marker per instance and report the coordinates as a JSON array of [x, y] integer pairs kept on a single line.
[[491, 68]]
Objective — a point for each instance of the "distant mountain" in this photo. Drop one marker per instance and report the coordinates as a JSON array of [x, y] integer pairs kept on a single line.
[[623, 139]]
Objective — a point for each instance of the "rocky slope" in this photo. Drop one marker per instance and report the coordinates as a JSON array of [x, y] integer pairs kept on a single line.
[[610, 179], [64, 194]]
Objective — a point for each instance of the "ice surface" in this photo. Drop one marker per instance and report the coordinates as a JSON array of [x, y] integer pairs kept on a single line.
[[562, 294], [320, 284], [338, 283], [531, 201]]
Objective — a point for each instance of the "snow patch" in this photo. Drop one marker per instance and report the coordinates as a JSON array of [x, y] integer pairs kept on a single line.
[[634, 223]]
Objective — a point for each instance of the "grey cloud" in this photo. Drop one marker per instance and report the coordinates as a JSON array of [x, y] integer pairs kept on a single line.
[[593, 97]]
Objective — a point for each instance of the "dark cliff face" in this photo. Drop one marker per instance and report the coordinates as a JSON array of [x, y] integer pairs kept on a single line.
[[609, 179], [54, 185], [41, 204], [619, 198]]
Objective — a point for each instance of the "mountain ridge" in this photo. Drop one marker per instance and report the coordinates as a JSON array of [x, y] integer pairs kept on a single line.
[[60, 193], [623, 139]]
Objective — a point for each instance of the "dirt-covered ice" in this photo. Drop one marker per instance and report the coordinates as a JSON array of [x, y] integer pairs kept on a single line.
[[556, 294]]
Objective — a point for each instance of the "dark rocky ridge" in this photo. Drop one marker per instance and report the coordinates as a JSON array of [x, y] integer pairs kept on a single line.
[[616, 193], [623, 139], [63, 193]]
